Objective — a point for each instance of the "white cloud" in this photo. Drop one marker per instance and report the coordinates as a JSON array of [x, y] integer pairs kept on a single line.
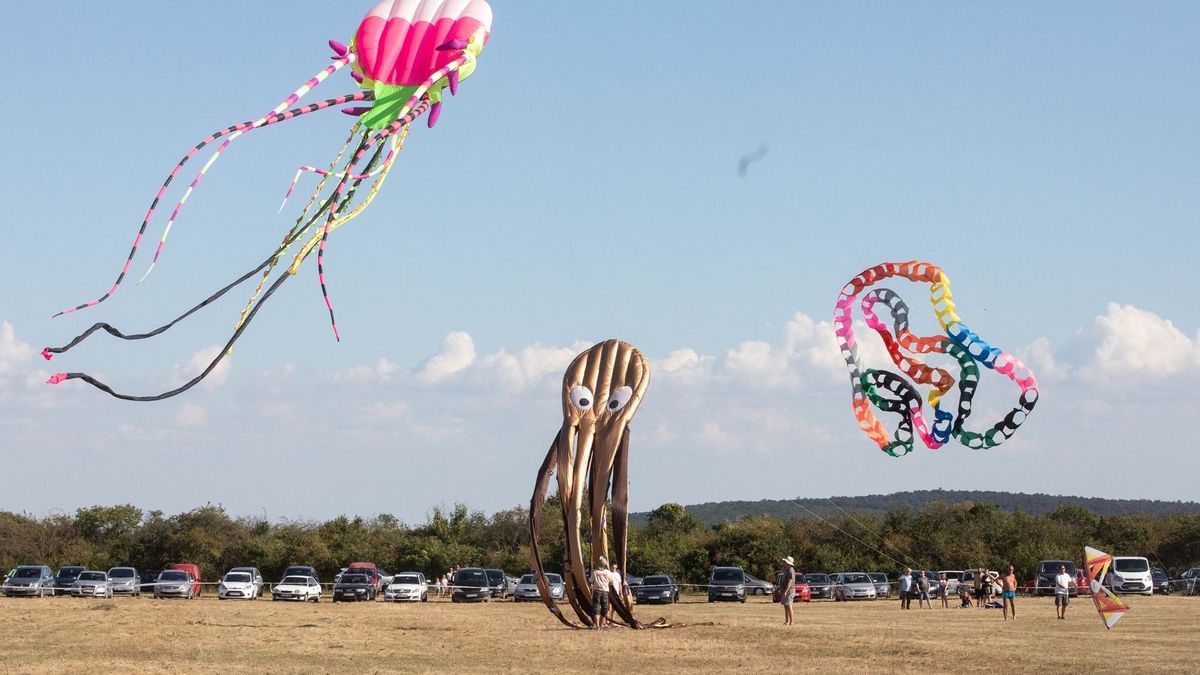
[[457, 354], [196, 365], [1041, 359], [191, 416], [1133, 341], [711, 434], [381, 371], [15, 356]]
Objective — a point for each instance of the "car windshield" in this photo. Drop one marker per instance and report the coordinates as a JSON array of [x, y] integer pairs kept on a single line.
[[528, 579], [495, 576], [1131, 565], [957, 576], [297, 570], [856, 579], [470, 578], [878, 577], [652, 581], [92, 576], [71, 571], [173, 575], [237, 578], [295, 581], [1051, 567], [355, 579], [28, 573], [406, 579], [728, 574], [553, 579], [817, 578], [121, 573]]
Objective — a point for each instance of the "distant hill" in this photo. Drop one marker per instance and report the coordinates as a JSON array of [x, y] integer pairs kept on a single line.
[[1034, 504]]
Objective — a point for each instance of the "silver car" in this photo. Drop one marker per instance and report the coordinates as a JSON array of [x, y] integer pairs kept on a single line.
[[174, 584], [30, 580], [125, 581], [853, 586], [527, 588], [883, 588], [91, 584]]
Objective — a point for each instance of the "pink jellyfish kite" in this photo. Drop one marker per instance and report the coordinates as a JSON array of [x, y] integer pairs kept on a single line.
[[404, 54]]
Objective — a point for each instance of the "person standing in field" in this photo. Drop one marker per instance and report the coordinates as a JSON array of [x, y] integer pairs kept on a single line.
[[617, 587], [1008, 592], [943, 590], [906, 582], [923, 591], [1062, 591], [787, 594], [601, 580]]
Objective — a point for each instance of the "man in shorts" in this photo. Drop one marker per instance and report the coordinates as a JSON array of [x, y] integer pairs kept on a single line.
[[601, 579], [1008, 592], [1062, 591], [788, 594]]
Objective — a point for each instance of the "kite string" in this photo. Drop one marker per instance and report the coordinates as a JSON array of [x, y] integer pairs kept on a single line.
[[830, 524]]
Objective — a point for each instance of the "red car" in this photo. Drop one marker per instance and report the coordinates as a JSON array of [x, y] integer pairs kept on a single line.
[[194, 570], [803, 592]]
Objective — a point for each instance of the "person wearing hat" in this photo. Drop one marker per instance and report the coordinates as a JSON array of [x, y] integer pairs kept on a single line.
[[788, 594], [601, 579]]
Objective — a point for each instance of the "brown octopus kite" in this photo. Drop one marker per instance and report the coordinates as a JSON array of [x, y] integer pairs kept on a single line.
[[601, 392]]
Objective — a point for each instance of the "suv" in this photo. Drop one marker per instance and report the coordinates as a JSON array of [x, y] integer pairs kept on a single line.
[[470, 585], [30, 580], [727, 583], [497, 583], [67, 574], [125, 580], [1043, 579]]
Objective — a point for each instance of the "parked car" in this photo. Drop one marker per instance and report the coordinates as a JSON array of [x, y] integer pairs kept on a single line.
[[994, 580], [407, 587], [820, 584], [147, 579], [370, 569], [1187, 583], [883, 587], [30, 580], [239, 585], [298, 588], [633, 582], [125, 581], [9, 575], [92, 584], [354, 586], [657, 588], [175, 584], [953, 579], [727, 583], [193, 570], [1162, 582], [527, 588], [1043, 578], [256, 578], [853, 586], [803, 591], [67, 574], [299, 571], [1130, 574], [470, 585], [756, 586], [497, 584]]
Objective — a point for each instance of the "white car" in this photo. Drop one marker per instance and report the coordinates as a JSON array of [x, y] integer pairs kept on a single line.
[[305, 589], [407, 587], [1130, 574], [853, 586], [953, 579], [238, 585]]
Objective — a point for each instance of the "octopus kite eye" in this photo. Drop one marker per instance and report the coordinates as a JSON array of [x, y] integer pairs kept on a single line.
[[619, 399], [581, 397]]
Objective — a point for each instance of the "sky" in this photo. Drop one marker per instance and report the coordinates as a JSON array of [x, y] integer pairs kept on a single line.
[[584, 185]]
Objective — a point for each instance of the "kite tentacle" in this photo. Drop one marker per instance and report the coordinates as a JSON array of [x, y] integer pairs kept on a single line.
[[317, 79], [296, 112]]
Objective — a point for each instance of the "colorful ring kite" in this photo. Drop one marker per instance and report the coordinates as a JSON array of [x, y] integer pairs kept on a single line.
[[404, 54], [892, 392]]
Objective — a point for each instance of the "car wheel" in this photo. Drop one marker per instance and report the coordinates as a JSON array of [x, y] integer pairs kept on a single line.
[[425, 597], [316, 598], [743, 600]]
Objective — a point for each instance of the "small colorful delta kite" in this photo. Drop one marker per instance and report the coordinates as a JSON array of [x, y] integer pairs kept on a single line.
[[601, 392], [891, 392], [1110, 607], [404, 54]]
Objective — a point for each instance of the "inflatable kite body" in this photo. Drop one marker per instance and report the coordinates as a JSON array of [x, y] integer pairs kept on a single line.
[[893, 392], [403, 55], [601, 392], [1110, 607]]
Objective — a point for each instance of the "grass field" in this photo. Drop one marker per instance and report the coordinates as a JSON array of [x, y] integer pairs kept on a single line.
[[208, 636]]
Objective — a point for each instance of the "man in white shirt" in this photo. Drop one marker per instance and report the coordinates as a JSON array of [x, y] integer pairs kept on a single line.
[[601, 580], [615, 579], [906, 581], [1062, 591]]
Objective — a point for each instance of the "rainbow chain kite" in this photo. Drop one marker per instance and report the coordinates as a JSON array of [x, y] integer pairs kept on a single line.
[[891, 392]]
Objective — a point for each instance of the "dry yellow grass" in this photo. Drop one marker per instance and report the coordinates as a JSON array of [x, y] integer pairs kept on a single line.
[[208, 636]]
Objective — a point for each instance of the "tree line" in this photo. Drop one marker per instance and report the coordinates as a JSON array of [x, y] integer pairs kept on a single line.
[[938, 535]]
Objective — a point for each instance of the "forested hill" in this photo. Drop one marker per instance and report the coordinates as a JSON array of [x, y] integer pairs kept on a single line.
[[1033, 504]]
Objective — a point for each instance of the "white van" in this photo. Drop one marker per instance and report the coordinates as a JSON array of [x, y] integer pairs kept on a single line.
[[1130, 574]]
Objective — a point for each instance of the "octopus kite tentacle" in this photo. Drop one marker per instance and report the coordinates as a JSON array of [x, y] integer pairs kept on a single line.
[[891, 392], [276, 116]]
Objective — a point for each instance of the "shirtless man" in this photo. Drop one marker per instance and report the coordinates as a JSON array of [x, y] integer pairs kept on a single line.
[[1008, 586]]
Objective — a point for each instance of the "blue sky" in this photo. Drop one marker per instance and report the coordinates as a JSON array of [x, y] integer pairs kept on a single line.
[[583, 185]]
